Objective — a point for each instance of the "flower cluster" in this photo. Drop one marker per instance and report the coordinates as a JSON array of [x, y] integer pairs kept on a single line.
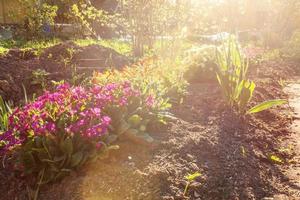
[[69, 110]]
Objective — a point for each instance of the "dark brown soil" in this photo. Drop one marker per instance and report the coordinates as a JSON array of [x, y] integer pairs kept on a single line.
[[17, 66], [232, 154], [62, 56]]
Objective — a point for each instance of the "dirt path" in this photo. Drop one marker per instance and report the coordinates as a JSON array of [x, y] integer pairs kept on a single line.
[[293, 90]]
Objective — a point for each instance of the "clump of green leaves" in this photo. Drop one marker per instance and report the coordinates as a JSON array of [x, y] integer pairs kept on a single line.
[[39, 77], [200, 62], [36, 16], [232, 76], [233, 79], [5, 111], [84, 14]]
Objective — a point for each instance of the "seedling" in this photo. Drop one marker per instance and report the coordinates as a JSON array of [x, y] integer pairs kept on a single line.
[[190, 178], [276, 159], [243, 150]]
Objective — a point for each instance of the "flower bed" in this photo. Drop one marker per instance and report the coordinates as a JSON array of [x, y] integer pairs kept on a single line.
[[62, 130]]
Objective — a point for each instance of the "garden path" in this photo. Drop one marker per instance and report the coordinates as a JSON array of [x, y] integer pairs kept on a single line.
[[293, 173]]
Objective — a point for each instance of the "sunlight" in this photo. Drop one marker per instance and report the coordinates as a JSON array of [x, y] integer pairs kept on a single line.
[[149, 99]]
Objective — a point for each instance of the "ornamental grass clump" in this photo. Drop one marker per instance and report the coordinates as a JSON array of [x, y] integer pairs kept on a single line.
[[232, 75]]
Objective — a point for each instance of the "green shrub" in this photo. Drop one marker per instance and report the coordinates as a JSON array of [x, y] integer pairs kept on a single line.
[[36, 15], [200, 63]]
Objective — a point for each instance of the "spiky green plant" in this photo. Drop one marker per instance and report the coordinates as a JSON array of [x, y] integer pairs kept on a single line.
[[232, 75], [5, 111], [233, 79]]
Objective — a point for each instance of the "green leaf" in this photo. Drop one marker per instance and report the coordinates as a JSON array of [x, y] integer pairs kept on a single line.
[[113, 147], [135, 120], [123, 126], [42, 155], [76, 159], [38, 142], [29, 162], [266, 105], [191, 177], [67, 146], [48, 161], [59, 158], [246, 95]]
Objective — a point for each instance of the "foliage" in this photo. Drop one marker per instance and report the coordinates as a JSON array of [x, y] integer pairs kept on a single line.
[[153, 103], [83, 14], [39, 77], [145, 21], [5, 111], [266, 105], [3, 51], [76, 78], [233, 79], [121, 47], [62, 130], [37, 17], [29, 45], [232, 76], [200, 62], [144, 74]]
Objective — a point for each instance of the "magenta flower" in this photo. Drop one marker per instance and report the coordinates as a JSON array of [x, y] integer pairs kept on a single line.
[[73, 110], [150, 101]]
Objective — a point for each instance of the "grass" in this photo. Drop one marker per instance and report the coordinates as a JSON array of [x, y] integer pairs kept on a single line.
[[36, 45], [122, 47], [117, 45]]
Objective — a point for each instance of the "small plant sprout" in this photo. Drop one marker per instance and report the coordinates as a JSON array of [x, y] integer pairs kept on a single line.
[[282, 83], [243, 150], [190, 178], [275, 159]]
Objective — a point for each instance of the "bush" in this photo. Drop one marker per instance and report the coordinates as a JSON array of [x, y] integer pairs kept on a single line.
[[200, 62], [37, 16], [153, 76], [160, 83]]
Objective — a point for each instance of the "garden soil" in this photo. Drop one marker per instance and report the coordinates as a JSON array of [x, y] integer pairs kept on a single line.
[[17, 66], [249, 158]]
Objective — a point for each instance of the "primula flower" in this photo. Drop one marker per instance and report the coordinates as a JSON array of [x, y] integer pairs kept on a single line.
[[150, 101], [76, 110]]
